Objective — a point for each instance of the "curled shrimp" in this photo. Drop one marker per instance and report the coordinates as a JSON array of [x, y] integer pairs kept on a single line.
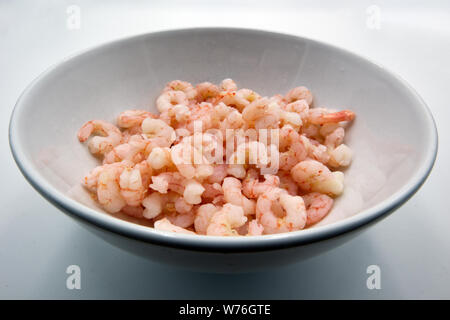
[[132, 188], [108, 189], [133, 150], [292, 148], [317, 207], [110, 136], [239, 99], [262, 114], [312, 175], [203, 217], [277, 212], [206, 91], [225, 221], [169, 99], [132, 118], [183, 86], [299, 93], [159, 132], [252, 187], [185, 156], [232, 191]]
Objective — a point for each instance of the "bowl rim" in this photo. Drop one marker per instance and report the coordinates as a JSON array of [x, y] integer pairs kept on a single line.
[[215, 243]]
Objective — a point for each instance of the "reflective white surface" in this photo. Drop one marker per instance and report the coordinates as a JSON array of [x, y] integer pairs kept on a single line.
[[37, 242]]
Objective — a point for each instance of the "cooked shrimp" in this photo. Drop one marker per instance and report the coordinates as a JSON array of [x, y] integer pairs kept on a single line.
[[292, 148], [225, 221], [232, 191], [312, 175], [169, 99], [166, 181], [108, 189], [159, 132], [317, 207], [206, 91], [132, 118], [204, 164], [252, 187], [193, 191], [262, 114], [340, 156], [131, 186], [203, 217], [133, 150], [184, 86], [323, 116], [153, 205], [228, 85], [299, 93], [277, 212], [110, 136], [165, 225], [160, 158], [183, 155], [300, 107], [254, 228]]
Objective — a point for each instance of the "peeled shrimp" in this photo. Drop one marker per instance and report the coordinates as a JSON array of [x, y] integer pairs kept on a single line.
[[169, 99], [299, 93], [165, 225], [322, 116], [312, 175], [132, 118], [232, 191], [225, 221], [277, 212], [110, 136], [317, 207]]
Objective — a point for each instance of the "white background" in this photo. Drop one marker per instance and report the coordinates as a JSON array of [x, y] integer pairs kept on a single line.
[[412, 246]]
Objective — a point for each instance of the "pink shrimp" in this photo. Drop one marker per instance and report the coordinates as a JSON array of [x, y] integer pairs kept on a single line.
[[323, 116], [206, 91], [184, 86], [166, 181], [203, 217], [299, 93], [312, 175], [277, 212], [132, 118], [233, 194], [252, 187], [108, 189], [292, 148], [317, 207], [225, 221], [110, 136], [165, 225]]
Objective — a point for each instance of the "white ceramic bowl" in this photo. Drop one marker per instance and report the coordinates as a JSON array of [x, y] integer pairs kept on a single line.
[[394, 137]]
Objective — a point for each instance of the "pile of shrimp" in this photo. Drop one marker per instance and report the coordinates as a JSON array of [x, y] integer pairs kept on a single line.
[[146, 174]]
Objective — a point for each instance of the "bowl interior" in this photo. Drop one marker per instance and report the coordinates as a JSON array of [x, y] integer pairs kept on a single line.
[[390, 137]]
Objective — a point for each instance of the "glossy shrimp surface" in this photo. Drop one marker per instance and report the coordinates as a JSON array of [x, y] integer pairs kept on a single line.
[[219, 160]]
